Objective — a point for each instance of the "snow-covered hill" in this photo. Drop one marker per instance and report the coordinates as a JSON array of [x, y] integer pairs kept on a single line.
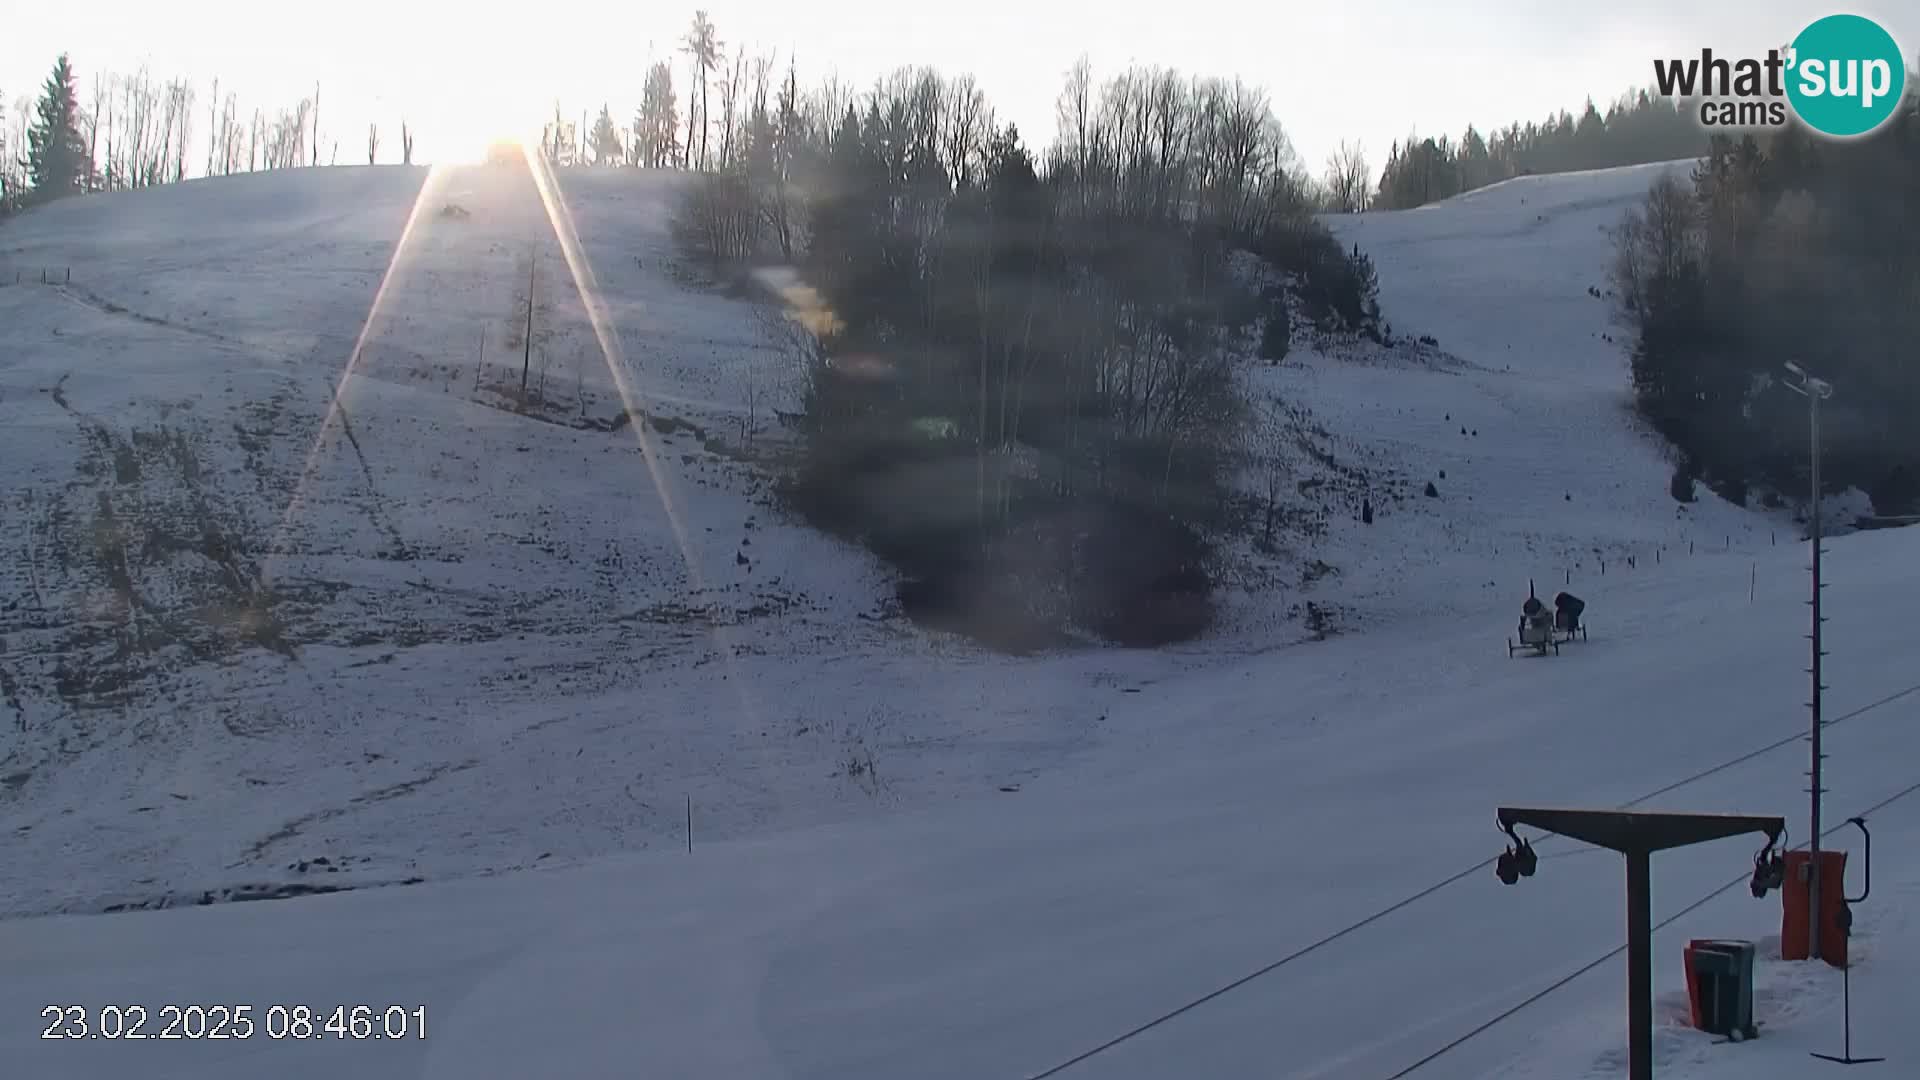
[[1224, 823], [1517, 413], [288, 576], [302, 594]]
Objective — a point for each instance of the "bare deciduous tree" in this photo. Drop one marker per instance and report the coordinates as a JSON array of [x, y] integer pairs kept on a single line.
[[702, 46], [13, 143], [99, 107], [180, 95], [139, 163], [229, 135], [965, 124], [1073, 112], [718, 219], [1349, 179], [213, 127], [286, 139], [1656, 247], [787, 133], [732, 91]]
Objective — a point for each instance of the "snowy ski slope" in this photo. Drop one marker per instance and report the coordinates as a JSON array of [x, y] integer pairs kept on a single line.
[[1005, 935], [1519, 417], [416, 634]]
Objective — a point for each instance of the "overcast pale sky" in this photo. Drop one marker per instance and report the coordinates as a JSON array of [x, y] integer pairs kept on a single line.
[[1369, 70]]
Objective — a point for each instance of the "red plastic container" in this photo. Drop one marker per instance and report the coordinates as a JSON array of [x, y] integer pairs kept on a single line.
[[1693, 981]]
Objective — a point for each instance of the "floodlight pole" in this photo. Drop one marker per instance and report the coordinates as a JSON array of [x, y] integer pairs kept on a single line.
[[1814, 789], [1814, 390]]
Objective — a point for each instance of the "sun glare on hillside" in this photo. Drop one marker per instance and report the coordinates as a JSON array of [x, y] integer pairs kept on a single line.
[[506, 151]]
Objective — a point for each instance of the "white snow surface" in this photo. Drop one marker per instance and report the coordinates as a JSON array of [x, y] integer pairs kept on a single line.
[[488, 666]]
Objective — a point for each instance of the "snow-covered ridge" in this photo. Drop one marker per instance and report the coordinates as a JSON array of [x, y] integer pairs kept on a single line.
[[334, 630]]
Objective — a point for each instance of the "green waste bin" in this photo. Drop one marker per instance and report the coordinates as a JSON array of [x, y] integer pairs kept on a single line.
[[1723, 979]]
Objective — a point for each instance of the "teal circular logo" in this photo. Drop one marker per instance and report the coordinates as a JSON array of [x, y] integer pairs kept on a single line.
[[1845, 76]]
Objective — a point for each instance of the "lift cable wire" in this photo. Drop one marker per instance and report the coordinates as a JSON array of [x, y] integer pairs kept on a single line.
[[1618, 949], [1439, 885]]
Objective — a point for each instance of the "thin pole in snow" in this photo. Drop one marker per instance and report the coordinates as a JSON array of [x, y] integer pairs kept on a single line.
[[1753, 577], [526, 361], [1846, 1007], [689, 824]]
